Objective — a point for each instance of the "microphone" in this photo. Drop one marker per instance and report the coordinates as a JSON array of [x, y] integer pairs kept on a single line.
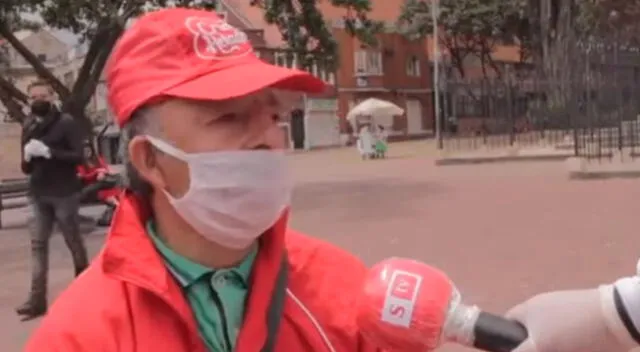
[[409, 306]]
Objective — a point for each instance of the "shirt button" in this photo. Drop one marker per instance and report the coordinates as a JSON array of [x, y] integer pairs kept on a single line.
[[218, 280]]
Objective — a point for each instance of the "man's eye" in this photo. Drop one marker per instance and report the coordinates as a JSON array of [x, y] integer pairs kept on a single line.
[[225, 118]]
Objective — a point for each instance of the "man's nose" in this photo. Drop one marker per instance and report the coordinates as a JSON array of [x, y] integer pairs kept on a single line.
[[265, 129]]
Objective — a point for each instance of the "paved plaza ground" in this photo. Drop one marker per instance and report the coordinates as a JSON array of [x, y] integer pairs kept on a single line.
[[501, 231]]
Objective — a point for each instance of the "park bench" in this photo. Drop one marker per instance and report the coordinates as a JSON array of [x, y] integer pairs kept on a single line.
[[13, 194]]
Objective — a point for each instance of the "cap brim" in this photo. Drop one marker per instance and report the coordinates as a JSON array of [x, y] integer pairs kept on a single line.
[[245, 79]]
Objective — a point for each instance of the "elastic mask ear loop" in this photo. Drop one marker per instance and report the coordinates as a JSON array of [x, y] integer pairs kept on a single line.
[[174, 152], [167, 148]]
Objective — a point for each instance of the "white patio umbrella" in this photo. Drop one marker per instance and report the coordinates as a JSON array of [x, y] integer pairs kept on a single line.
[[380, 112]]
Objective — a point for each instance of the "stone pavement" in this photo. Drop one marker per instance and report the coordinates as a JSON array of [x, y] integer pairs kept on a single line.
[[620, 165], [501, 231], [14, 265], [494, 155], [605, 168]]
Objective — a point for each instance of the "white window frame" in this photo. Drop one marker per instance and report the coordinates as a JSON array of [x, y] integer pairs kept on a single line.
[[101, 96], [280, 59], [325, 75], [368, 63]]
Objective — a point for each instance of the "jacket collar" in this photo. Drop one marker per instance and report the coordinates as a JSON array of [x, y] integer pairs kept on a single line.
[[129, 256]]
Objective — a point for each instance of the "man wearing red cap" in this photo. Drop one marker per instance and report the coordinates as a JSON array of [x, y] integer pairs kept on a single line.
[[199, 256]]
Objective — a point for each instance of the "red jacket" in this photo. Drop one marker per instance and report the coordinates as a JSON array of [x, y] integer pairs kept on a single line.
[[127, 301], [89, 174]]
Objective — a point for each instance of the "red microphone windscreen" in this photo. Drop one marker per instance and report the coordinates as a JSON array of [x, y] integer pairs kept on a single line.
[[404, 305]]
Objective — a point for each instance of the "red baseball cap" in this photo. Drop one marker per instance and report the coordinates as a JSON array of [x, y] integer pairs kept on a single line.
[[192, 54]]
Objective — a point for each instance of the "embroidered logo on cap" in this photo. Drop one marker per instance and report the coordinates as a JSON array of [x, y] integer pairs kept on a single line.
[[215, 39]]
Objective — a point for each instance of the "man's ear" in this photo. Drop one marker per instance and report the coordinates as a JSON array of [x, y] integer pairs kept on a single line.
[[143, 158]]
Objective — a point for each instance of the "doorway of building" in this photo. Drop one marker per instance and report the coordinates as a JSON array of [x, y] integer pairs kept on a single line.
[[297, 128], [414, 117]]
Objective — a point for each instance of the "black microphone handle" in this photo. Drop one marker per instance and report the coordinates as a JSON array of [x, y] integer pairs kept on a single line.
[[494, 333]]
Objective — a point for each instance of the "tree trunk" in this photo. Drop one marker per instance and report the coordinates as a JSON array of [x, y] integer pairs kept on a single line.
[[557, 39], [85, 122], [14, 92], [89, 75]]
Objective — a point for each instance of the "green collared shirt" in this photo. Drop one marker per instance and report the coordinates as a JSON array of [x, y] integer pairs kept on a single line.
[[216, 296]]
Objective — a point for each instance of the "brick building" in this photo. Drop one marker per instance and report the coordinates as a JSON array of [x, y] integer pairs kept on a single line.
[[397, 70]]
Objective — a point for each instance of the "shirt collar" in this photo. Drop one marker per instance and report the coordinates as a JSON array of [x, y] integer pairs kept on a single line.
[[186, 271]]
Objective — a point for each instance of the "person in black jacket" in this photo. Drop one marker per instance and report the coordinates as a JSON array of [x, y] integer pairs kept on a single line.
[[52, 148]]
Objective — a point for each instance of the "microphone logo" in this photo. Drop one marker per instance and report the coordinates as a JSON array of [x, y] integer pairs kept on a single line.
[[400, 298]]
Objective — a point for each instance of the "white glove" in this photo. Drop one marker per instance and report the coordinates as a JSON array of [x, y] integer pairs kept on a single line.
[[29, 151], [573, 321], [41, 149], [35, 148]]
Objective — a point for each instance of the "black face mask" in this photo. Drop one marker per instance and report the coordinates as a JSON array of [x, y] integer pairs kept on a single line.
[[41, 108]]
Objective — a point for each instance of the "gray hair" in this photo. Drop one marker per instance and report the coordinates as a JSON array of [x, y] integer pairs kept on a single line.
[[140, 123]]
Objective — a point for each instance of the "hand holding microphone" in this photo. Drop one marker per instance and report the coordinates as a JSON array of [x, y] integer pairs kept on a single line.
[[573, 321], [408, 306]]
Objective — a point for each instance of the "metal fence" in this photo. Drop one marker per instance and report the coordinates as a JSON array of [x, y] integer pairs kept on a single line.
[[593, 109]]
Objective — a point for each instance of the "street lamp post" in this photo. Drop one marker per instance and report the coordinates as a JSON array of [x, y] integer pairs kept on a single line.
[[614, 16], [435, 9]]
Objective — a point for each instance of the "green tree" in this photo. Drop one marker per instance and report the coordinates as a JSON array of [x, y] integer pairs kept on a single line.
[[467, 28], [100, 23], [11, 97], [550, 34], [552, 31], [309, 36]]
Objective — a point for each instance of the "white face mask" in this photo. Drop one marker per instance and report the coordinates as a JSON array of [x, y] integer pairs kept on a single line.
[[233, 196]]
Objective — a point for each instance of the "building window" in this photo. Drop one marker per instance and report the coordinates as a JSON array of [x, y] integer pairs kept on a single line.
[[279, 59], [42, 57], [283, 59], [413, 67], [368, 63], [325, 75], [101, 97]]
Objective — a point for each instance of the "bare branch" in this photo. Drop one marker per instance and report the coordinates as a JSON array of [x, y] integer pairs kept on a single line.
[[100, 61], [14, 92], [88, 63], [14, 109], [31, 58]]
